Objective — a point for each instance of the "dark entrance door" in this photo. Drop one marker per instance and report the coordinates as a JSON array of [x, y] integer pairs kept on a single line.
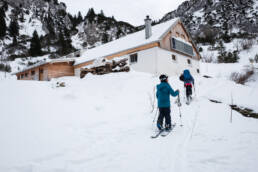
[[41, 74]]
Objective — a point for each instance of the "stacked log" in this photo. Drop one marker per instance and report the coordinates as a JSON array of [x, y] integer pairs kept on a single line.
[[107, 67]]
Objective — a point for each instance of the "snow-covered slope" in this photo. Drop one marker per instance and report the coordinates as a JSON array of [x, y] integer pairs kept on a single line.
[[104, 123]]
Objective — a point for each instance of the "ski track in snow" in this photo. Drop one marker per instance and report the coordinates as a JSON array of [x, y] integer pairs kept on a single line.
[[88, 127]]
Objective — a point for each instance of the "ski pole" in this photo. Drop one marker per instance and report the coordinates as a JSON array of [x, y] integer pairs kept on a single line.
[[194, 92], [155, 116], [180, 115]]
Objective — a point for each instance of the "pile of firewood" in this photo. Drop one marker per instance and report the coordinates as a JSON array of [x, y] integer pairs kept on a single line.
[[107, 67]]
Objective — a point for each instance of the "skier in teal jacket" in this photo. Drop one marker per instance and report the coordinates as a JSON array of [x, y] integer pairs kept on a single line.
[[163, 93]]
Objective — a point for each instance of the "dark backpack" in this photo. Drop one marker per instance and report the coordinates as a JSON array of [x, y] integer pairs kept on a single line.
[[181, 77]]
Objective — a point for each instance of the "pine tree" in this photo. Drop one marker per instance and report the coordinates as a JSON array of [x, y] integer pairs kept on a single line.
[[221, 47], [222, 52], [48, 43], [79, 18], [2, 12], [226, 37], [56, 2], [68, 41], [104, 38], [22, 17], [66, 33], [118, 33], [35, 47], [14, 41], [91, 15], [50, 28], [73, 21], [5, 6], [14, 28], [64, 44], [209, 2], [102, 13], [2, 23]]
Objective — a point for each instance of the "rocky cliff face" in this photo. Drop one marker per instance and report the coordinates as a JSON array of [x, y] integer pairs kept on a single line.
[[100, 30], [218, 18], [53, 24]]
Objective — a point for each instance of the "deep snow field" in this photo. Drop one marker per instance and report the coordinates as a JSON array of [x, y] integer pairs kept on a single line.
[[104, 123]]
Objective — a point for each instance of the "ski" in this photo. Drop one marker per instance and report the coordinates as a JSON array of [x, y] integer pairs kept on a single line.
[[165, 133], [157, 134]]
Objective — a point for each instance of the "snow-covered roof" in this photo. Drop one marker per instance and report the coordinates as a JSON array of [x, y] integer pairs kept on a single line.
[[43, 63], [125, 43]]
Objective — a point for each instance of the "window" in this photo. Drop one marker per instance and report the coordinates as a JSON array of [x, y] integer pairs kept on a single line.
[[22, 76], [181, 46], [173, 57], [18, 77], [33, 72], [177, 34], [26, 75], [40, 70], [189, 61], [133, 58], [198, 70], [183, 36]]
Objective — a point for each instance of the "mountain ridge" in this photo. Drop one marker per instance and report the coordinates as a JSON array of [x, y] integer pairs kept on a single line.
[[210, 22]]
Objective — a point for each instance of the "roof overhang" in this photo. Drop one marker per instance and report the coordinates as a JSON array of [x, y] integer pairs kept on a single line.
[[44, 63], [105, 56]]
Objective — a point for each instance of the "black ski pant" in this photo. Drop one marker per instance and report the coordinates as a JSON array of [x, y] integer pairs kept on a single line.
[[188, 90], [164, 113]]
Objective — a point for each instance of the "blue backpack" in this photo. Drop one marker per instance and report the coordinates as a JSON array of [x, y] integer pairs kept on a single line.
[[187, 77]]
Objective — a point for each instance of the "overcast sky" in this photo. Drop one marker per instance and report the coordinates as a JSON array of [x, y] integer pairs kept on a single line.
[[132, 11]]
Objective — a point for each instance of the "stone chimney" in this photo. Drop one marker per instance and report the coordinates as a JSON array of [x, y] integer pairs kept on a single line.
[[148, 31]]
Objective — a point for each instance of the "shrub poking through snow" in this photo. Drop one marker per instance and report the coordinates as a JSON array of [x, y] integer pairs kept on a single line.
[[208, 57], [60, 84], [251, 60], [256, 58], [246, 44], [241, 78], [224, 56], [228, 57]]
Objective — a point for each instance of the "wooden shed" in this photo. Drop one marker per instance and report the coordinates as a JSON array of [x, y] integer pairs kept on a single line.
[[47, 70]]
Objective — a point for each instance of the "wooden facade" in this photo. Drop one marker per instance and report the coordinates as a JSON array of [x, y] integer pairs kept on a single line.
[[47, 71], [178, 31], [56, 70]]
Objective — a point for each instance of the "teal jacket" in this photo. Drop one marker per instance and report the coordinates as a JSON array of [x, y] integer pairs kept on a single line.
[[164, 90]]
